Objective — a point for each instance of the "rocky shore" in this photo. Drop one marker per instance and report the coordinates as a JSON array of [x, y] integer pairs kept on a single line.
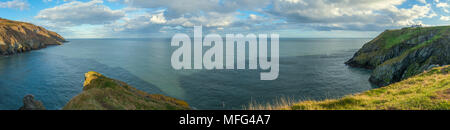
[[429, 90], [29, 103], [18, 37], [395, 55], [103, 93]]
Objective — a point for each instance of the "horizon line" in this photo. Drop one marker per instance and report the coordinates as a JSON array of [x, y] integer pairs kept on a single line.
[[223, 37]]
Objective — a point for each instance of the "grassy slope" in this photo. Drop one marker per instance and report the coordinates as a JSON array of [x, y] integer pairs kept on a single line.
[[21, 26], [102, 93], [408, 34], [427, 91], [395, 37], [16, 36]]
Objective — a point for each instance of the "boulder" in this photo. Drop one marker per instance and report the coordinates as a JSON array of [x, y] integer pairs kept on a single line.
[[395, 55], [29, 103]]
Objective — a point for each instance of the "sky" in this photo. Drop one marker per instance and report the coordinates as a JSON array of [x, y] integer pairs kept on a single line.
[[164, 18]]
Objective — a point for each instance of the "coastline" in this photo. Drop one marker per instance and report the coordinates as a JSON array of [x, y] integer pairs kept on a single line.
[[292, 61]]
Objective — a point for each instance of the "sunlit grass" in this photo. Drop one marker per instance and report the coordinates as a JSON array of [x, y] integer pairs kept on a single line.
[[427, 91]]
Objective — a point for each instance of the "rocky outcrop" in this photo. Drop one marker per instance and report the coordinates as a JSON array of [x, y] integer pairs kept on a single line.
[[103, 93], [17, 37], [399, 54], [29, 103]]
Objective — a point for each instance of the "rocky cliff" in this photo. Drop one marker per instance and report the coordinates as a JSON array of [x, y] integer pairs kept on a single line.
[[395, 55], [17, 37], [29, 103], [103, 93]]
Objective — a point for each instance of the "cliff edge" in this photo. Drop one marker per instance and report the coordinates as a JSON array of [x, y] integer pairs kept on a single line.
[[29, 103], [17, 37], [103, 93], [429, 90], [395, 55]]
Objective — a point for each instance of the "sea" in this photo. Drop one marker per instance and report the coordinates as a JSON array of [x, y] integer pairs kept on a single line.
[[310, 69]]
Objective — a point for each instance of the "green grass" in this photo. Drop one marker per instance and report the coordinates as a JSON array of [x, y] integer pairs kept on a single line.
[[405, 53], [394, 37], [103, 93], [427, 91], [10, 22], [382, 45]]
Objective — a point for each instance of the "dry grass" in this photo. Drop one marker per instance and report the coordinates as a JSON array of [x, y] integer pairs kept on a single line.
[[427, 91]]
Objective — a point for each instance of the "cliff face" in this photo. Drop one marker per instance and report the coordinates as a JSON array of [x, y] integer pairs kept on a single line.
[[17, 37], [102, 93], [29, 103], [398, 54]]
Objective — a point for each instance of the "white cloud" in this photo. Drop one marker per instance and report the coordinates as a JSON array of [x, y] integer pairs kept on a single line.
[[211, 19], [178, 8], [350, 14], [144, 22], [154, 16], [77, 13], [445, 18], [422, 1], [15, 4], [406, 17], [442, 5], [322, 14], [156, 21], [158, 18]]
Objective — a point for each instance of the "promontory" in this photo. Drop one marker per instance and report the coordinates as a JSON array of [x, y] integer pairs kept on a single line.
[[17, 37], [398, 54], [103, 93]]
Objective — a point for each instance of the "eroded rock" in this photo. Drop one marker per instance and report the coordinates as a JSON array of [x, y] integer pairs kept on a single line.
[[29, 103], [395, 55]]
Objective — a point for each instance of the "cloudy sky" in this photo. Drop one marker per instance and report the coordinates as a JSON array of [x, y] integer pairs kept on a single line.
[[163, 18]]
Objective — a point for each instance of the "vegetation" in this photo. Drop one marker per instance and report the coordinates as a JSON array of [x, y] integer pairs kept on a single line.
[[10, 22], [102, 93], [398, 54], [18, 37], [423, 44], [395, 37], [429, 90], [376, 51]]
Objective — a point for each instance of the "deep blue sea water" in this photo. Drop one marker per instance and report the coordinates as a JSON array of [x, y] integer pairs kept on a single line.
[[309, 69]]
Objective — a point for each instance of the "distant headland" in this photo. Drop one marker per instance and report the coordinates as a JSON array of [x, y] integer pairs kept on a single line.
[[398, 54], [103, 93], [18, 37]]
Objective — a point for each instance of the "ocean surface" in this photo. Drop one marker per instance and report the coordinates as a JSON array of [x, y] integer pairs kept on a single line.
[[309, 69]]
